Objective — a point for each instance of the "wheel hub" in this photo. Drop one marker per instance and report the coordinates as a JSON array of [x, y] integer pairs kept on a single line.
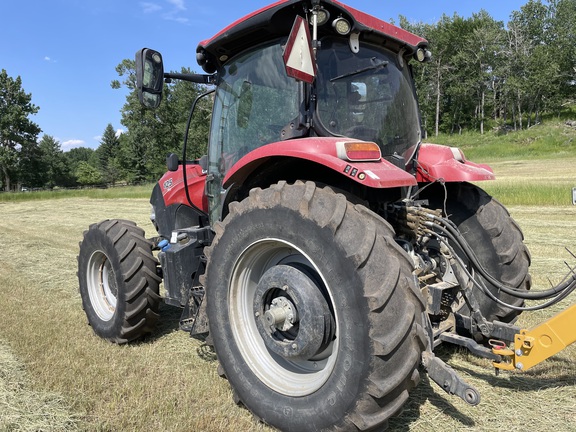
[[282, 314], [292, 315]]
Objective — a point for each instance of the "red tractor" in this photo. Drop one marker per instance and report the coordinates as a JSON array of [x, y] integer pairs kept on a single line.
[[325, 248]]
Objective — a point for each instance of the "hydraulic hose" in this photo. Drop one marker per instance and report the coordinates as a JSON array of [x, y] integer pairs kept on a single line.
[[447, 228], [442, 229]]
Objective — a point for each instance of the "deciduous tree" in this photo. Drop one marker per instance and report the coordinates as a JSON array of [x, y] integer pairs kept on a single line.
[[16, 128]]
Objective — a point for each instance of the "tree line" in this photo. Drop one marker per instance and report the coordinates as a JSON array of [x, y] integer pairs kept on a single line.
[[134, 157], [483, 74]]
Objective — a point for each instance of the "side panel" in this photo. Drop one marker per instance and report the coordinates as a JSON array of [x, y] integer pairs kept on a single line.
[[172, 187], [380, 174], [437, 162]]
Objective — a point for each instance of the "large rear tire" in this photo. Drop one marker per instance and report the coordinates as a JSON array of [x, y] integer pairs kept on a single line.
[[313, 309], [118, 281], [496, 240]]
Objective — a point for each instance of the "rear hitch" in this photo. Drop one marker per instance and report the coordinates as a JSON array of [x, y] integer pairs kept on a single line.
[[449, 380]]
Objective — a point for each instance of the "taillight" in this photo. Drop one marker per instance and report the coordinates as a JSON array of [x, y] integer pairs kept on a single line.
[[358, 151]]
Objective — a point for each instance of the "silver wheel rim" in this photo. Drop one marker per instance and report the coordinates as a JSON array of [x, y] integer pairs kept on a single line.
[[286, 376], [102, 287]]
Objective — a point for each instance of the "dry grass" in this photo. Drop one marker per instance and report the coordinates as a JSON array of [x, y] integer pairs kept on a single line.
[[170, 382]]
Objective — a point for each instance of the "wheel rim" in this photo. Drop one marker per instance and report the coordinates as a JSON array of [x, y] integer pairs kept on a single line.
[[102, 287], [285, 375]]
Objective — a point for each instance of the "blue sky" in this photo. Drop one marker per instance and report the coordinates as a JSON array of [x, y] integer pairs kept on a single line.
[[66, 51]]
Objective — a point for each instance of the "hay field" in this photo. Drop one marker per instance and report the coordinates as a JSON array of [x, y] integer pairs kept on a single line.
[[55, 374]]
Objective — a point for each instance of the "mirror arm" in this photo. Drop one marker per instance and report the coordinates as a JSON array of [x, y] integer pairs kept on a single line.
[[194, 78]]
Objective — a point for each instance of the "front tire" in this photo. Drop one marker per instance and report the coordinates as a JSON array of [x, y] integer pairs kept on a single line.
[[118, 281], [313, 310]]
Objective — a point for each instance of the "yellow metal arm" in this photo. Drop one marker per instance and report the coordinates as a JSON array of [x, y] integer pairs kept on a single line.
[[536, 345]]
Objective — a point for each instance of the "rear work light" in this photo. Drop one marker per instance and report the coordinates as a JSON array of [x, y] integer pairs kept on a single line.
[[358, 151]]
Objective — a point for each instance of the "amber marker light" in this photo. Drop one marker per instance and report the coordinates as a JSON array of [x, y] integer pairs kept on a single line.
[[358, 151]]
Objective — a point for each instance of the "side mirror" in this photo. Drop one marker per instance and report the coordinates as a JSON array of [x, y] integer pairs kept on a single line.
[[172, 162], [149, 77]]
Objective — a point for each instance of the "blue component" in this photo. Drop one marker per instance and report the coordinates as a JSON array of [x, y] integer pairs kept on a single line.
[[164, 245]]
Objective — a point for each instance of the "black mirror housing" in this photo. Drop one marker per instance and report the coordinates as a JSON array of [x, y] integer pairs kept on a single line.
[[149, 77], [172, 162]]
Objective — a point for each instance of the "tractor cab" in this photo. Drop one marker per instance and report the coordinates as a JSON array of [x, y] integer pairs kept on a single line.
[[319, 71]]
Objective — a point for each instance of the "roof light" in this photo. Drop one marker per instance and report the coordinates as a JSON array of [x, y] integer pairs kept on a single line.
[[322, 17], [358, 151], [422, 55], [341, 26]]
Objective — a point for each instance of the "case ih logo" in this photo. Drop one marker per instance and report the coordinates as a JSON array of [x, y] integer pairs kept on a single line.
[[168, 184]]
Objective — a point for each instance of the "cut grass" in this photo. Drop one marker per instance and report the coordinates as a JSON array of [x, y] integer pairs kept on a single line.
[[23, 409], [170, 382]]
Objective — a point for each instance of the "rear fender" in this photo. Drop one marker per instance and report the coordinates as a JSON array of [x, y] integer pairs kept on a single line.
[[322, 151], [438, 162]]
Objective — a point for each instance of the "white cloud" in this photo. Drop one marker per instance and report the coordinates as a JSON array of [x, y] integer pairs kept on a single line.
[[148, 7], [120, 132], [171, 12], [178, 4], [47, 58], [172, 16], [67, 145]]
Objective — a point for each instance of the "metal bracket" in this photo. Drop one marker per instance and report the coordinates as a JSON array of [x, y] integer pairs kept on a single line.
[[471, 345], [194, 318], [449, 380]]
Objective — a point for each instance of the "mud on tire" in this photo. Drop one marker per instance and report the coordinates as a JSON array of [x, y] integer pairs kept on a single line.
[[118, 281], [349, 359]]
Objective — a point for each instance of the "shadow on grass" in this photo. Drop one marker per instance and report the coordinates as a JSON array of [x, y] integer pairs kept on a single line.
[[426, 391], [170, 322], [542, 377], [523, 382]]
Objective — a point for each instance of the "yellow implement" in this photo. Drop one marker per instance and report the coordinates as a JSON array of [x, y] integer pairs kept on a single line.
[[541, 342]]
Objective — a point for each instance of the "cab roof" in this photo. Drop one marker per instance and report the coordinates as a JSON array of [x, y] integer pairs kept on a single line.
[[276, 20]]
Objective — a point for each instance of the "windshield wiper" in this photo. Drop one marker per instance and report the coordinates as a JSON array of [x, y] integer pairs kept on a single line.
[[376, 65]]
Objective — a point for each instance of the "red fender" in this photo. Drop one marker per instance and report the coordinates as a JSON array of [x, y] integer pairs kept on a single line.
[[437, 162], [380, 174], [172, 187]]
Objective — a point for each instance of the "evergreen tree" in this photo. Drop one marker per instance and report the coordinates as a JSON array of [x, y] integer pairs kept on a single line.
[[107, 154]]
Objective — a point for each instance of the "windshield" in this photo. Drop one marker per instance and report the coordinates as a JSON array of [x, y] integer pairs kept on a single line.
[[367, 96]]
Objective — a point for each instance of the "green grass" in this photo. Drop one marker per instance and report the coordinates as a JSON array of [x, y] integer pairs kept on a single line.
[[533, 182], [551, 140], [142, 191]]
